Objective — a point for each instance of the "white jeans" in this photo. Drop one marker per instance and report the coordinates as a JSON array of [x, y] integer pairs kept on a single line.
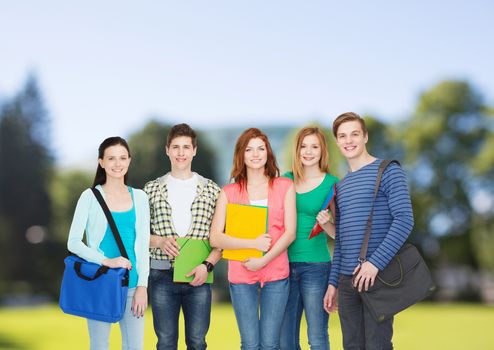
[[131, 327]]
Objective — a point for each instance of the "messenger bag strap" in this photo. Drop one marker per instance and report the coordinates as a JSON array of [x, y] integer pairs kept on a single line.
[[365, 244], [111, 222]]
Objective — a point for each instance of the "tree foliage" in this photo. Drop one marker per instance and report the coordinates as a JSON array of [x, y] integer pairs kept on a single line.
[[442, 141], [65, 189], [446, 147], [25, 173]]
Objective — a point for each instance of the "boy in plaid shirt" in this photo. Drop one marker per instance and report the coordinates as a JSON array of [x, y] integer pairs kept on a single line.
[[182, 204]]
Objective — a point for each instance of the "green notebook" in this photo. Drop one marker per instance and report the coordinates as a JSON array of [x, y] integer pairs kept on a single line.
[[192, 253]]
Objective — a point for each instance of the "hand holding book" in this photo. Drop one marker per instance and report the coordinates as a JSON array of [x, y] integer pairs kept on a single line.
[[317, 229], [263, 242]]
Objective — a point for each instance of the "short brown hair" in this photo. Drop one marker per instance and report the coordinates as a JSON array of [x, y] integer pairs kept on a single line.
[[239, 170], [181, 130], [348, 117], [297, 167]]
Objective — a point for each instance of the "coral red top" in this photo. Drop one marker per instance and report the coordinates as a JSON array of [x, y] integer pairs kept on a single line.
[[278, 268]]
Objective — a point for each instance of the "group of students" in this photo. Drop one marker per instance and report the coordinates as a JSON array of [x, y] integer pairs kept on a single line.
[[269, 294]]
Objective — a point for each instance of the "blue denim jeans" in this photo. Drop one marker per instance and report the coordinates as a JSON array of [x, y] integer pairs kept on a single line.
[[360, 330], [308, 284], [167, 297], [259, 313], [131, 328]]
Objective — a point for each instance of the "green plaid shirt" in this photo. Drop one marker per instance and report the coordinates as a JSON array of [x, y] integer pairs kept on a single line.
[[202, 210]]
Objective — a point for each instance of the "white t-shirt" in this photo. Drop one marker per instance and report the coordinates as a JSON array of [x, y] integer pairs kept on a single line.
[[260, 202], [181, 194]]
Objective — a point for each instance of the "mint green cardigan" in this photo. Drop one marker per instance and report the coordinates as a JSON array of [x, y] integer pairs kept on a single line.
[[89, 217]]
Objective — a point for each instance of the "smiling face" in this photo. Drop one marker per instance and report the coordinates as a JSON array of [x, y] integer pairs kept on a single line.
[[181, 152], [310, 151], [256, 154], [115, 161], [351, 139]]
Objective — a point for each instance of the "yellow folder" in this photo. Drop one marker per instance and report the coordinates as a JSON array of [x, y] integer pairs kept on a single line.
[[248, 222]]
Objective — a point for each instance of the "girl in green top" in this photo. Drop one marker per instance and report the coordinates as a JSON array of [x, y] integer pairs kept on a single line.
[[309, 258]]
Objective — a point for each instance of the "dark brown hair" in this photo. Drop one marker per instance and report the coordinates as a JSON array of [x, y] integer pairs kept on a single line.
[[181, 130], [100, 177]]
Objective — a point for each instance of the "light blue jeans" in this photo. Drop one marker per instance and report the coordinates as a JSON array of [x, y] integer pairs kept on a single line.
[[259, 312], [308, 284], [131, 328]]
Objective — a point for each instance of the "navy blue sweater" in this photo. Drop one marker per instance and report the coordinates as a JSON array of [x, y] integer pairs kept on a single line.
[[392, 221]]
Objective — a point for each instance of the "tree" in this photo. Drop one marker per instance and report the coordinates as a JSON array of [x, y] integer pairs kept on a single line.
[[26, 168], [65, 189], [383, 141], [443, 141]]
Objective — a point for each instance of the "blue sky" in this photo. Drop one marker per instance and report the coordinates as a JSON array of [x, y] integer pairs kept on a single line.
[[106, 67]]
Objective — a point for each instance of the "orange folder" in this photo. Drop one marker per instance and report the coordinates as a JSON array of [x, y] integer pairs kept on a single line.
[[248, 222]]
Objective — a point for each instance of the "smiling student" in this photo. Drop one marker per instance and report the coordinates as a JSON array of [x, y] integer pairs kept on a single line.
[[130, 210], [391, 225], [258, 286], [182, 204], [309, 258]]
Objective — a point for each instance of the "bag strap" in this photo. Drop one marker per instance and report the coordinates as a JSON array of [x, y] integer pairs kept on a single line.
[[365, 243], [111, 222]]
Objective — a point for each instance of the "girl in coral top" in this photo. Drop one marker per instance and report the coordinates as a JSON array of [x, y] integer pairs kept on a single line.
[[259, 287]]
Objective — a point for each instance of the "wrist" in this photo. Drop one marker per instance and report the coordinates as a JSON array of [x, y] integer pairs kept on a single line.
[[331, 219], [209, 266], [141, 289]]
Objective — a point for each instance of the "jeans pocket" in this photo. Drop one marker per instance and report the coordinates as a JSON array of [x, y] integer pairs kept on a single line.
[[155, 275]]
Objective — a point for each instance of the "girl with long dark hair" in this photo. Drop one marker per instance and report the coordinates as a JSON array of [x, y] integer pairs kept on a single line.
[[130, 210]]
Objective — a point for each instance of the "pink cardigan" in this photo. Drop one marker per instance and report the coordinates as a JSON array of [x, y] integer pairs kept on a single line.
[[278, 268]]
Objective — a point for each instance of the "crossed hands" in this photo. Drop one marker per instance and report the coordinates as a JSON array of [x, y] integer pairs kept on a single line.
[[262, 243]]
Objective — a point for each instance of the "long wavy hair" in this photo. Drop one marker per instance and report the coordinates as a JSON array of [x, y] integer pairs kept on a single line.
[[297, 167], [239, 169], [100, 177]]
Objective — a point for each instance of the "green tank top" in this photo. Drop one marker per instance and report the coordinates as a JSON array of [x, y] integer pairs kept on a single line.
[[308, 206]]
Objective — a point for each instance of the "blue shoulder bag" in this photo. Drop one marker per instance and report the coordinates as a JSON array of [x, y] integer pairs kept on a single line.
[[94, 291]]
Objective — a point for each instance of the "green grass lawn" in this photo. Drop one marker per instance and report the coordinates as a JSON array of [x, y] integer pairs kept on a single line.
[[424, 326]]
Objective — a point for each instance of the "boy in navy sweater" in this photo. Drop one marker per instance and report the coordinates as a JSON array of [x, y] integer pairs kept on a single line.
[[391, 225]]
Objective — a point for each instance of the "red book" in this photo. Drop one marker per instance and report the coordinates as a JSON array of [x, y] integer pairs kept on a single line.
[[317, 229]]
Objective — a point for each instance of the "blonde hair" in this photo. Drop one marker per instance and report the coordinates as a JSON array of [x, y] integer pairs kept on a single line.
[[297, 166]]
